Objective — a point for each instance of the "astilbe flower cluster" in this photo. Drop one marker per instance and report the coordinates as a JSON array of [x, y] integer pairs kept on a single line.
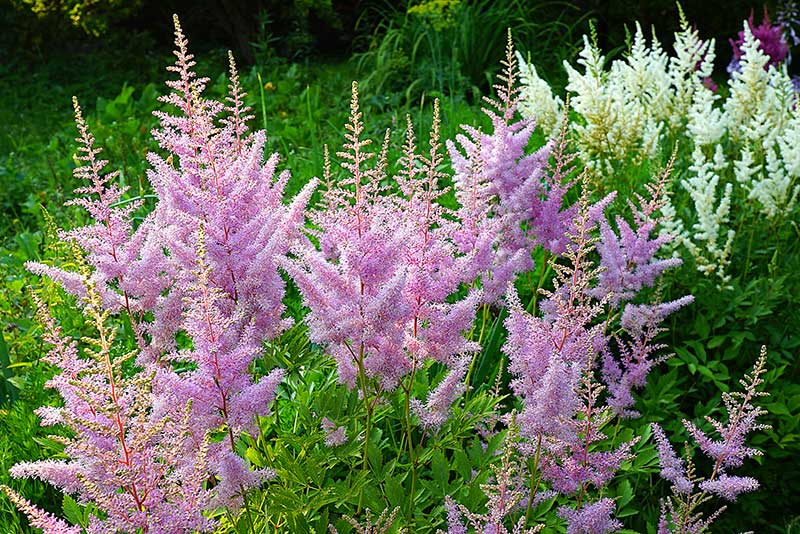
[[379, 525], [525, 192], [629, 262], [134, 466], [680, 512], [223, 223], [504, 497], [379, 265], [552, 357], [201, 264]]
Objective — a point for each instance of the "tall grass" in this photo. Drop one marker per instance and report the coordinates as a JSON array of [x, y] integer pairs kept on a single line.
[[454, 51]]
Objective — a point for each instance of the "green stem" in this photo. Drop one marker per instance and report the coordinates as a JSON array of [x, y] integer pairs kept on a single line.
[[411, 453], [540, 283], [534, 472], [263, 101], [362, 378]]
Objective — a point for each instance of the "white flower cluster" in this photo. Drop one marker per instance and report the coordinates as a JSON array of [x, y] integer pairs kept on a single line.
[[537, 98], [745, 150]]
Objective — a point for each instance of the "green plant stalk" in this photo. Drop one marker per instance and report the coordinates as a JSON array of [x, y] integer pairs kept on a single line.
[[247, 512], [263, 101], [540, 283], [362, 379], [411, 453], [534, 472], [485, 313]]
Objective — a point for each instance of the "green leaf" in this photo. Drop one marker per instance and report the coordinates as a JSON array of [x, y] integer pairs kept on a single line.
[[625, 492], [716, 341], [441, 470], [462, 464], [394, 492], [72, 511]]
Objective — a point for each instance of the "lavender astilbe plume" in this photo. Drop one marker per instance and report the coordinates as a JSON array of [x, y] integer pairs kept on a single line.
[[504, 496], [672, 468], [552, 357], [111, 244], [548, 355], [594, 518], [629, 263], [203, 264], [433, 413], [680, 512], [39, 518], [527, 208], [334, 435], [223, 224], [377, 286], [731, 450], [133, 466], [629, 259]]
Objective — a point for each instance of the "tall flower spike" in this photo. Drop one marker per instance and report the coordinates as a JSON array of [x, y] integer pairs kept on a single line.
[[38, 518], [108, 241], [504, 496], [378, 285], [220, 287], [678, 512], [239, 113], [527, 209], [131, 465]]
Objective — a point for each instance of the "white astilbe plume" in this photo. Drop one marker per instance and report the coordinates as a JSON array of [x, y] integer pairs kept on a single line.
[[692, 63], [612, 118], [706, 123], [761, 97], [645, 77], [710, 243], [537, 99], [774, 190], [745, 168]]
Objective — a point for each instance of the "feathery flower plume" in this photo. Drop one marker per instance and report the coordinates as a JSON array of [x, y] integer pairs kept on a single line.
[[679, 511], [203, 264], [528, 206], [133, 466], [386, 262], [334, 435], [504, 496]]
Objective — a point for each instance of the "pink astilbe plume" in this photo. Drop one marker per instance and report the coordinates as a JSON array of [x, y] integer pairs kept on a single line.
[[527, 208], [386, 262], [38, 518], [552, 362], [111, 244], [549, 355], [202, 265], [629, 263], [434, 412], [134, 467], [503, 495], [679, 512]]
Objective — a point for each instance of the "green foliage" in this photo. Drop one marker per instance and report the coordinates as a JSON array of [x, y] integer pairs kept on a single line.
[[91, 16], [450, 47]]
